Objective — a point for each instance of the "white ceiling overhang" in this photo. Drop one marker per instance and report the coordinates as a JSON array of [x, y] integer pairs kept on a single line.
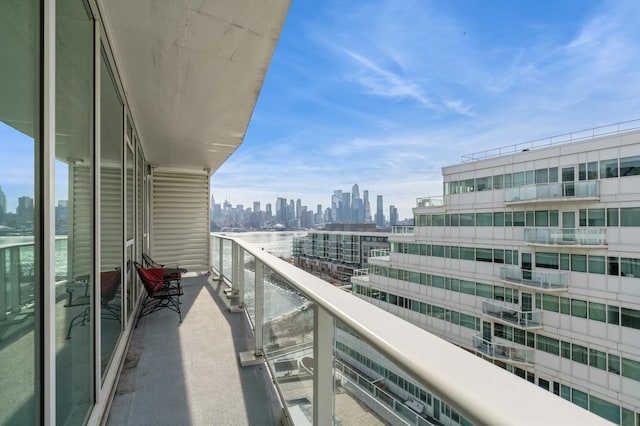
[[192, 72]]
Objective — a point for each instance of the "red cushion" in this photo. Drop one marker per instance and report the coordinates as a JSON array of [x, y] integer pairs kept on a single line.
[[153, 279]]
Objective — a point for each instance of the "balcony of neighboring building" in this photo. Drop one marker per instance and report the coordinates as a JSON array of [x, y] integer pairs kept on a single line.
[[505, 352], [553, 192], [546, 281], [512, 316], [429, 204], [566, 237], [360, 275]]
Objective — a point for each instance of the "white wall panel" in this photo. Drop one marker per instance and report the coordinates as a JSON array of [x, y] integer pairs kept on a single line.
[[180, 220]]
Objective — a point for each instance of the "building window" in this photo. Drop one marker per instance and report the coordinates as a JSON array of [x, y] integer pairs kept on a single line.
[[609, 168], [613, 315], [596, 264], [630, 166], [597, 359], [578, 308], [630, 216], [630, 318], [579, 354], [579, 263], [597, 311]]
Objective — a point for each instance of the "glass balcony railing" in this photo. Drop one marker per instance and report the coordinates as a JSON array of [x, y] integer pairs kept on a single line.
[[566, 236], [336, 359], [553, 191], [361, 274], [541, 280], [518, 318], [503, 352], [379, 253], [429, 202], [402, 230]]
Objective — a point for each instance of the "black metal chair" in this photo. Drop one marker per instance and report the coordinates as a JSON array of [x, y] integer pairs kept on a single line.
[[171, 275], [159, 295]]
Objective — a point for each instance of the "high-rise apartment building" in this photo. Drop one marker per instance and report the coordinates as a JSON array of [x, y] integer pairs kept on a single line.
[[367, 206], [379, 212], [393, 215], [532, 261], [281, 210], [25, 208]]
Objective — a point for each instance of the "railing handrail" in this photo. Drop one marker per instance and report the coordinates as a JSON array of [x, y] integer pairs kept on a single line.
[[472, 386], [552, 140]]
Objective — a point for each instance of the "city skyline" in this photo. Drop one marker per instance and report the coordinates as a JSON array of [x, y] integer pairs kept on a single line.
[[388, 93], [343, 207]]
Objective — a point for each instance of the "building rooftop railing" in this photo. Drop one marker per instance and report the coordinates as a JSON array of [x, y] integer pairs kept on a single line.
[[303, 342], [435, 201], [580, 135]]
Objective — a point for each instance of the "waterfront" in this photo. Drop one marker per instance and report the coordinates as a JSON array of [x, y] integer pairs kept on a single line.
[[278, 243]]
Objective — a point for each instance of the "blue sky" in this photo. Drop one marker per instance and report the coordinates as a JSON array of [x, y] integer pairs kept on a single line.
[[386, 93]]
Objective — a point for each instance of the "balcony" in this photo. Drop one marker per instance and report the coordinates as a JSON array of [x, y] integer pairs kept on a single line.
[[361, 274], [545, 281], [295, 336], [429, 202], [380, 253], [402, 230], [508, 315], [553, 192], [503, 352], [566, 237]]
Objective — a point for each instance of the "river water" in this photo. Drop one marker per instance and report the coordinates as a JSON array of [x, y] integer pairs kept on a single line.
[[279, 298], [277, 243]]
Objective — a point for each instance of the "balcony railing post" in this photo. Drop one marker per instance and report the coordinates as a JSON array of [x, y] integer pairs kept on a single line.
[[13, 297], [259, 306], [323, 337], [221, 257], [238, 273], [3, 285]]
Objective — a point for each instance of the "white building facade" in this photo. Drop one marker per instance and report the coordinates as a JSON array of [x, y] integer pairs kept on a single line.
[[532, 261]]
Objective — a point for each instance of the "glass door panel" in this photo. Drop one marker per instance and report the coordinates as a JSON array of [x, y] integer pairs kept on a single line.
[[111, 229], [74, 166]]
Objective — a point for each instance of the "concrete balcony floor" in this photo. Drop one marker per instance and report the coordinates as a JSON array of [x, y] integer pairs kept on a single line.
[[189, 373]]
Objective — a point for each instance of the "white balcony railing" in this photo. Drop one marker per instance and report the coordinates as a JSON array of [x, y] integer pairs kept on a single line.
[[379, 253], [502, 351], [553, 191], [542, 280], [520, 319], [295, 318], [566, 236], [402, 230], [430, 201]]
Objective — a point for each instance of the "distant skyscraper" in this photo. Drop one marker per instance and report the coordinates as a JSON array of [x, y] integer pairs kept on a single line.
[[345, 209], [379, 213], [3, 203], [393, 215], [268, 210], [355, 193], [281, 210], [25, 208], [256, 206], [367, 207], [298, 208], [291, 213], [336, 201]]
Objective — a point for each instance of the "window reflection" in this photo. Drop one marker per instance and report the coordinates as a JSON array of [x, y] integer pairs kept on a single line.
[[73, 212], [111, 232]]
